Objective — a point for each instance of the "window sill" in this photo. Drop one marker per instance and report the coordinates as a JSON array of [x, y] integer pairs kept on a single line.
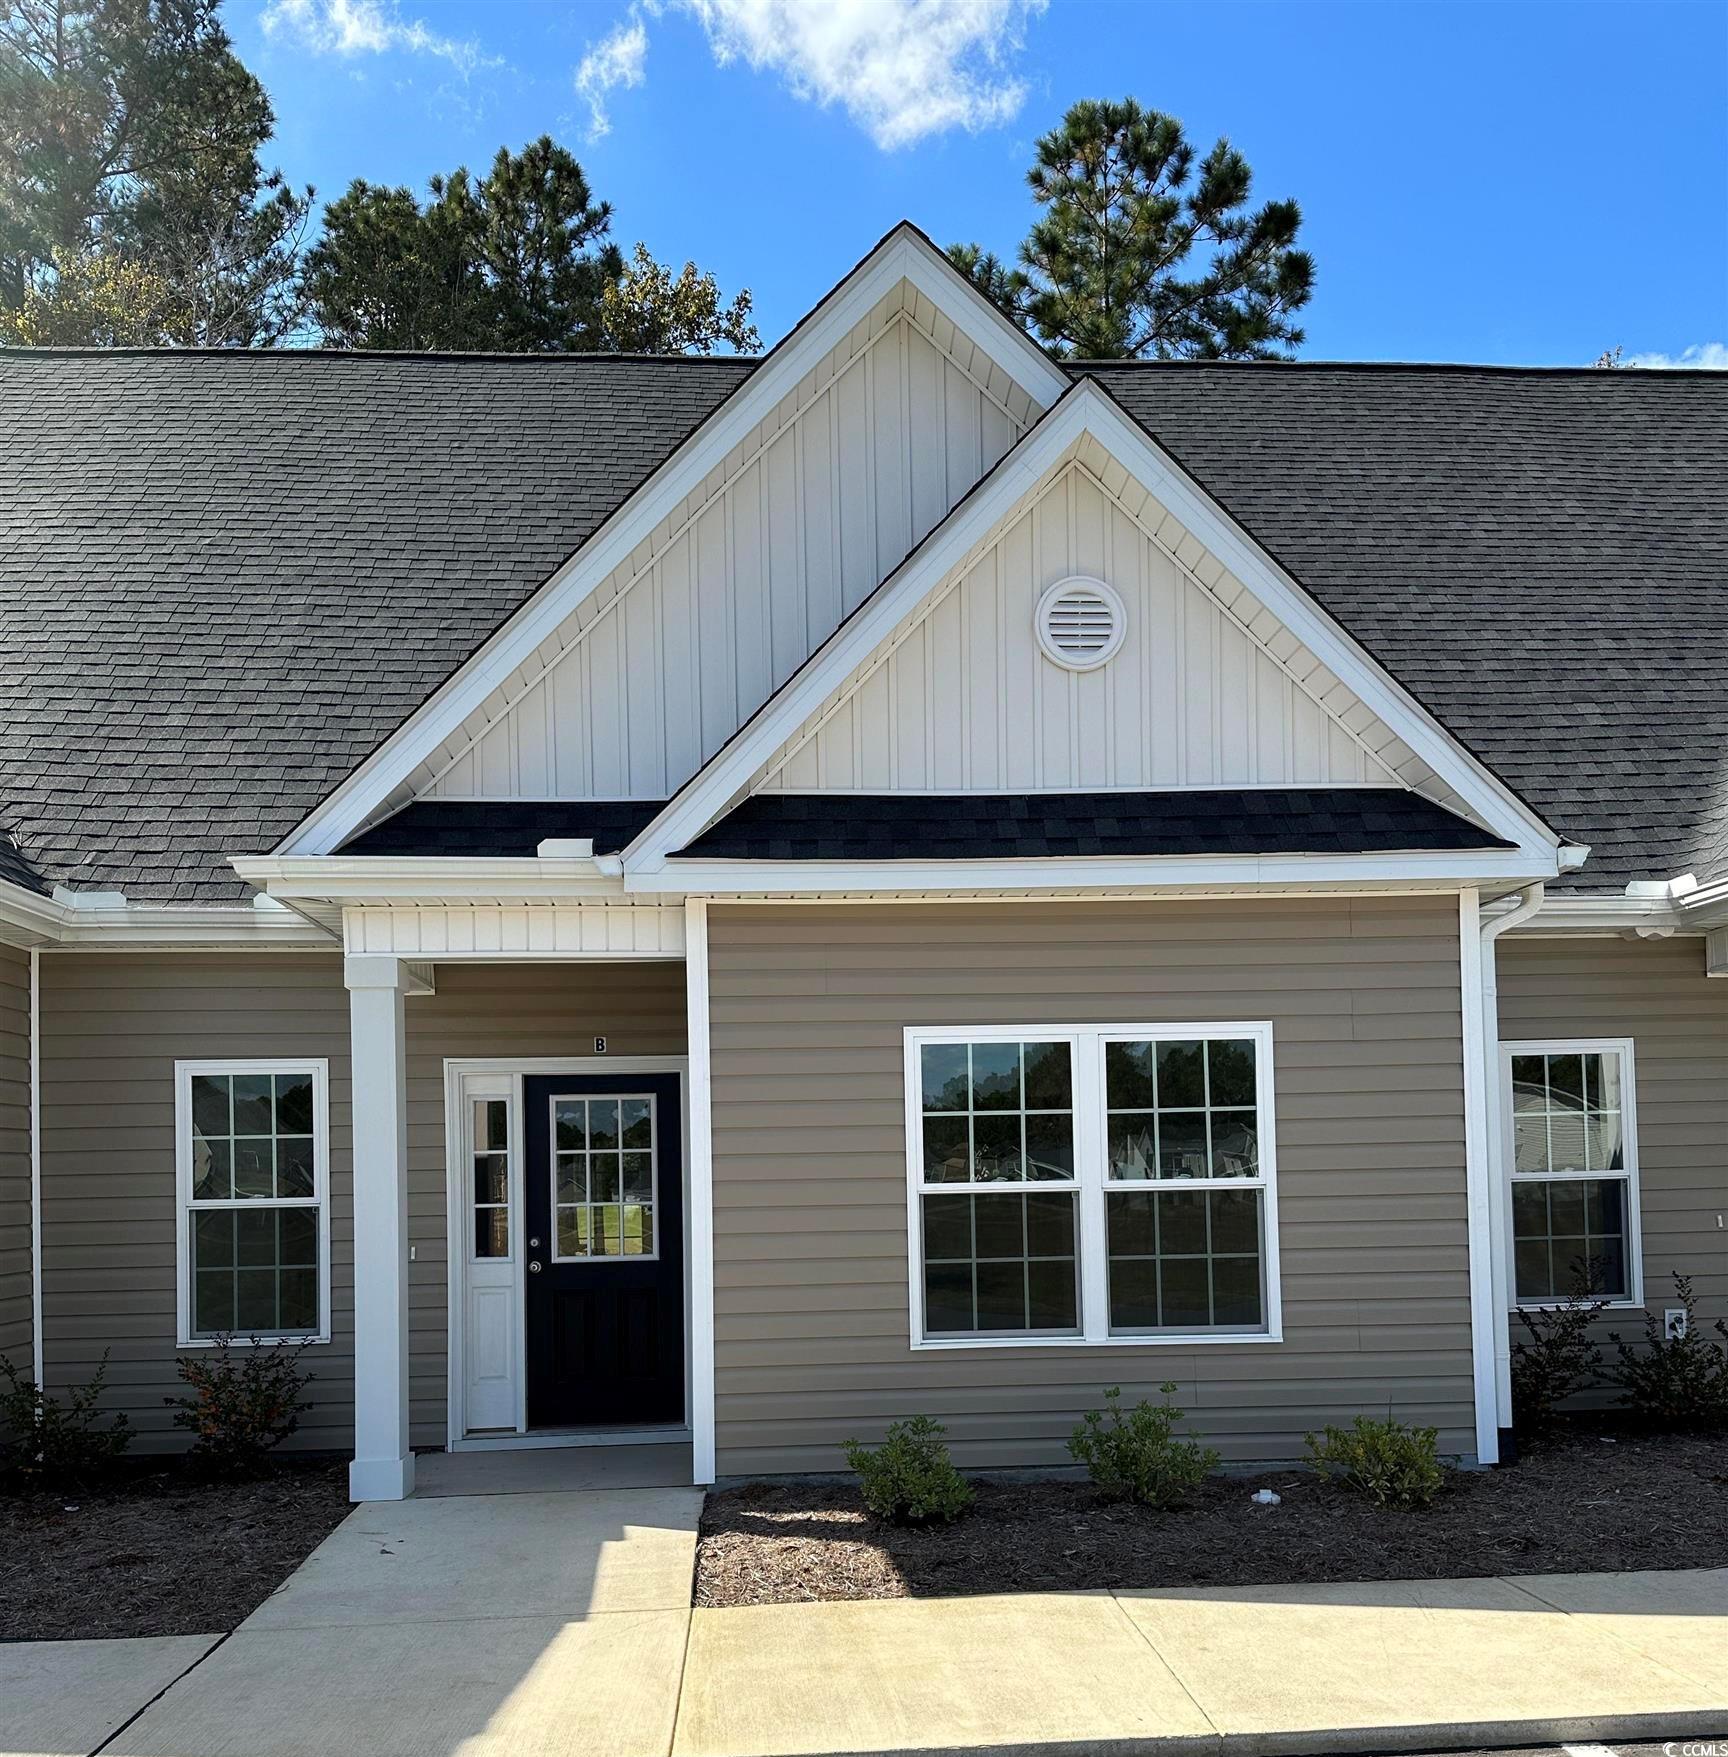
[[1556, 1305], [254, 1341], [1188, 1339]]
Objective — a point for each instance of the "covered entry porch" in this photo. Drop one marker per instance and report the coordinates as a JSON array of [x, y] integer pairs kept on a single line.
[[529, 1219]]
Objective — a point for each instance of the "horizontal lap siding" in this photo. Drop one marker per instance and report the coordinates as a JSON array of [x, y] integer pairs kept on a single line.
[[16, 1333], [1656, 993], [113, 1027], [112, 1030], [811, 1299], [525, 1010]]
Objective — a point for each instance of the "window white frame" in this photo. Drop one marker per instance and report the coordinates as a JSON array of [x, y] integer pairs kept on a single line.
[[653, 1202], [185, 1205], [1091, 1180], [1616, 1046]]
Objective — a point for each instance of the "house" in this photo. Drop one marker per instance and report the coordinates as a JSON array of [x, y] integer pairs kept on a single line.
[[624, 896]]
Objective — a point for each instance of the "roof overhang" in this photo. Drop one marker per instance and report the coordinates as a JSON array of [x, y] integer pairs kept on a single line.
[[107, 921]]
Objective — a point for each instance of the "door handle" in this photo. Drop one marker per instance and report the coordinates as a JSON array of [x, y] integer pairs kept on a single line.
[[534, 1267]]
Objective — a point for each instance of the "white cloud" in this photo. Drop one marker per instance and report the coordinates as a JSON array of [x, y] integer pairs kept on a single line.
[[366, 27], [616, 60], [901, 69], [1711, 356]]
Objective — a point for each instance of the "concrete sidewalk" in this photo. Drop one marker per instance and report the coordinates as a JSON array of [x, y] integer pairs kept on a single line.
[[559, 1625]]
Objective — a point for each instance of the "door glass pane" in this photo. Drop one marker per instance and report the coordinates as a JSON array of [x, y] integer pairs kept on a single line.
[[603, 1177], [490, 1191]]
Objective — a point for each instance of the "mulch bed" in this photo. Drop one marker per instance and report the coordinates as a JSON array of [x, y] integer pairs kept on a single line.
[[1590, 1503], [157, 1550]]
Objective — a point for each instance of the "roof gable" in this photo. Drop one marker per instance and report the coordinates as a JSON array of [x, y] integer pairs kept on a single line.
[[904, 287], [1087, 432]]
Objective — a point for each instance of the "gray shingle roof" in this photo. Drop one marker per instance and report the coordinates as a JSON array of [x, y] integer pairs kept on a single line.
[[504, 828], [224, 578], [1037, 826], [1541, 558]]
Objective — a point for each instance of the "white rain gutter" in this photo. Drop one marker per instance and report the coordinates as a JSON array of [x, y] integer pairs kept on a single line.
[[1529, 901]]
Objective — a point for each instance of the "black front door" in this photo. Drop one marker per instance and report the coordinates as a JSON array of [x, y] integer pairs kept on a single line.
[[605, 1285]]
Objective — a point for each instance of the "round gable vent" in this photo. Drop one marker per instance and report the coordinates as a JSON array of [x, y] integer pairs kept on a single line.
[[1081, 623]]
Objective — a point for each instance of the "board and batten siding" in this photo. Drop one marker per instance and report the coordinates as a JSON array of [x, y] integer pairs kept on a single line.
[[112, 1029], [810, 1265], [669, 655], [17, 1330], [1656, 993]]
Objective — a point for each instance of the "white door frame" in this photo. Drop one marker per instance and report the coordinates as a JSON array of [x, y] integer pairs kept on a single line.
[[493, 1072]]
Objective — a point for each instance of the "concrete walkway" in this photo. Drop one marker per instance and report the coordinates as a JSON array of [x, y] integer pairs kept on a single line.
[[559, 1625]]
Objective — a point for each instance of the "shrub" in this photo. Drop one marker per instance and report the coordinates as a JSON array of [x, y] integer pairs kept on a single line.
[[241, 1404], [1675, 1381], [1559, 1358], [1137, 1456], [909, 1478], [57, 1443], [1394, 1466]]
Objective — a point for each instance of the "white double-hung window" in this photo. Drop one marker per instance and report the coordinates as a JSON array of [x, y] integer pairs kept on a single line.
[[1573, 1151], [252, 1152], [1079, 1184]]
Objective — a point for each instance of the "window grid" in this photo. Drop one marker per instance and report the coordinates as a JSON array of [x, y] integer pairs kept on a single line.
[[1222, 1128], [252, 1243], [1017, 1122], [1241, 1280], [603, 1177], [490, 1195], [1573, 1171]]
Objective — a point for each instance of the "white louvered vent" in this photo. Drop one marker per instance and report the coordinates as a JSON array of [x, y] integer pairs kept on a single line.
[[1081, 623]]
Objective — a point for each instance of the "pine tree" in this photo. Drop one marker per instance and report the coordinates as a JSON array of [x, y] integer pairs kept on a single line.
[[1123, 208]]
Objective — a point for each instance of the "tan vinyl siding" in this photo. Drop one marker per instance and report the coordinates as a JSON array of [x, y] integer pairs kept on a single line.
[[113, 1027], [16, 1326], [522, 1010], [811, 1318], [1656, 993]]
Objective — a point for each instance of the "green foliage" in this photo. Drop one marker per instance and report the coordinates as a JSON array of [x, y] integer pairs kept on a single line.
[[54, 1443], [648, 310], [1559, 1358], [130, 132], [517, 261], [1675, 1381], [1393, 1465], [241, 1404], [1137, 1456], [909, 1478], [1122, 209]]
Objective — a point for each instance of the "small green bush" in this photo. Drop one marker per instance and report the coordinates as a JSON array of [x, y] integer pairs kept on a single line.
[[909, 1478], [57, 1444], [1559, 1358], [1137, 1456], [1394, 1466], [1675, 1381], [242, 1405]]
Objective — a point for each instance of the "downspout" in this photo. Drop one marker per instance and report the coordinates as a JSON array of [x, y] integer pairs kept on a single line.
[[38, 1350], [1499, 1184]]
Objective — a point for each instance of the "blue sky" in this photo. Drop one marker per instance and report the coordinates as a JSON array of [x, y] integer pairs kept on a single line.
[[1490, 181]]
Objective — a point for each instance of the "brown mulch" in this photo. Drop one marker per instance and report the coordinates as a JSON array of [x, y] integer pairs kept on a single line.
[[158, 1550], [1586, 1504]]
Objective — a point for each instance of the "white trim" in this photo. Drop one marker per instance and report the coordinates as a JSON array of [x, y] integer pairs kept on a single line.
[[560, 1439], [1442, 870], [1623, 1048], [185, 1205], [699, 1221], [904, 255], [1091, 1181], [1085, 410], [38, 1347], [67, 924], [1486, 1319]]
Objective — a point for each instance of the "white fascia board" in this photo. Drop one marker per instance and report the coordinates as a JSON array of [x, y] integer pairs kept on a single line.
[[887, 877], [903, 255], [1610, 913], [28, 919], [1085, 411], [383, 879], [140, 927]]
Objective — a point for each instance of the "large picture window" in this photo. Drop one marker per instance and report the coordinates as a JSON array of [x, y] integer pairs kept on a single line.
[[252, 1153], [1083, 1184], [1573, 1155]]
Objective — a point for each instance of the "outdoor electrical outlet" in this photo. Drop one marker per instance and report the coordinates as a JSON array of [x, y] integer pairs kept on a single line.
[[1674, 1323]]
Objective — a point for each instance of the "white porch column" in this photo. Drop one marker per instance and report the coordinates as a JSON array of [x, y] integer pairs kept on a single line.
[[383, 1467]]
